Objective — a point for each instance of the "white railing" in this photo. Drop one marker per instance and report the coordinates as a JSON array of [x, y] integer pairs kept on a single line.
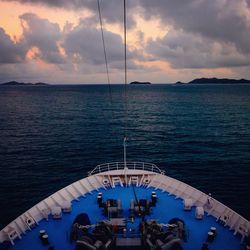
[[130, 165]]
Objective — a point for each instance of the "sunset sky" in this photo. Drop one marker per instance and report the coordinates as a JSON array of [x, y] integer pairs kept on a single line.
[[59, 41]]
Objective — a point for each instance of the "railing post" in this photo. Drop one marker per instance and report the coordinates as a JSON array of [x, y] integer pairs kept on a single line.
[[108, 166], [99, 169]]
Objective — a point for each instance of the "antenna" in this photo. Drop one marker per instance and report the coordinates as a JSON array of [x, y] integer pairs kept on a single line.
[[125, 151], [125, 86]]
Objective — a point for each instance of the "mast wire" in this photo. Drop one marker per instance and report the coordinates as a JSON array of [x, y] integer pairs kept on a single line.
[[105, 53], [125, 69], [107, 68], [125, 90]]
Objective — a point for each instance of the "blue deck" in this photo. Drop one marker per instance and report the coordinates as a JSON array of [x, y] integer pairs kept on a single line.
[[167, 207]]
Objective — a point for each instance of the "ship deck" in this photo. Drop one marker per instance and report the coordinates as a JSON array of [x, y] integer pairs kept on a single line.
[[167, 207]]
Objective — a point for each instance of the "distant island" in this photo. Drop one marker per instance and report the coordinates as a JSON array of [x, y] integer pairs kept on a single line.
[[136, 82], [14, 83], [215, 81]]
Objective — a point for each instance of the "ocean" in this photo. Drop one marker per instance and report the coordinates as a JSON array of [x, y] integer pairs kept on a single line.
[[51, 136]]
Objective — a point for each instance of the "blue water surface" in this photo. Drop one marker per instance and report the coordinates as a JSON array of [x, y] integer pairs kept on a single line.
[[51, 136]]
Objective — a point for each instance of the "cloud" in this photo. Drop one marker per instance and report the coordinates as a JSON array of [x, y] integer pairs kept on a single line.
[[83, 44], [199, 34], [112, 10], [220, 20], [248, 3], [44, 35], [29, 71], [38, 33], [74, 49], [11, 52], [184, 50], [55, 3]]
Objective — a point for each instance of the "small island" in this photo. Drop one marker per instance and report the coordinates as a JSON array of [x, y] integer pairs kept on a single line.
[[136, 82], [215, 81], [14, 83]]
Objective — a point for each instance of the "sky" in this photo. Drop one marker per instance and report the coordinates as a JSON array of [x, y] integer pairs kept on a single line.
[[59, 41]]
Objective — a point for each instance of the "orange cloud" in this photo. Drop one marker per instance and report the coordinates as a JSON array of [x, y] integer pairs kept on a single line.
[[10, 13], [32, 53]]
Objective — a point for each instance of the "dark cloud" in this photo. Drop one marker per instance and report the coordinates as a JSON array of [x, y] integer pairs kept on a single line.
[[223, 21], [248, 3], [112, 10], [55, 3], [218, 20], [11, 52], [184, 50], [44, 35], [83, 43], [27, 72], [199, 34], [37, 32]]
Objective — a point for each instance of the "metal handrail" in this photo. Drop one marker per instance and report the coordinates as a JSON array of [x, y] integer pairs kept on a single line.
[[130, 165]]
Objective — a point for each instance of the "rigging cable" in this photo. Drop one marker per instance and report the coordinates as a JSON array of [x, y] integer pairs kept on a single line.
[[125, 69], [126, 95], [107, 68], [104, 50]]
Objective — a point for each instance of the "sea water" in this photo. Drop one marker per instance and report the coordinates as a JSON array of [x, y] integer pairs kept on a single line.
[[51, 136]]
